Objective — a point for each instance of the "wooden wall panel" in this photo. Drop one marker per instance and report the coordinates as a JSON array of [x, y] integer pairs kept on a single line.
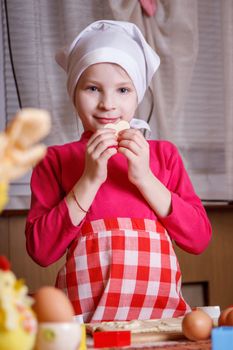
[[4, 237], [215, 264], [22, 265]]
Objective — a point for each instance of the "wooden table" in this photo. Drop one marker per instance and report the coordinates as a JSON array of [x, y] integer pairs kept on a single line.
[[181, 345], [173, 345]]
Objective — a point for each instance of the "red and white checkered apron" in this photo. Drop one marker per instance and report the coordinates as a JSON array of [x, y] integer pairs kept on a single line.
[[123, 269]]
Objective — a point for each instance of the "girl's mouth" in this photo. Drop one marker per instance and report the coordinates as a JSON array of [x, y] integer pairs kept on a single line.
[[107, 120]]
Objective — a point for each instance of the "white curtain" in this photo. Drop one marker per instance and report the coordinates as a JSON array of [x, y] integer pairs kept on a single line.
[[192, 91], [173, 33]]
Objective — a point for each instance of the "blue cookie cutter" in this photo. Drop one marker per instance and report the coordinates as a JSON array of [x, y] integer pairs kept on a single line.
[[222, 338]]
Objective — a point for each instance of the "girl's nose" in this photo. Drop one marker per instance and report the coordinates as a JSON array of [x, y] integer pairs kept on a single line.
[[107, 102]]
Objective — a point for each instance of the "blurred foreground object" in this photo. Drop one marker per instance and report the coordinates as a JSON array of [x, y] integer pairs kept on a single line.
[[18, 324], [18, 149]]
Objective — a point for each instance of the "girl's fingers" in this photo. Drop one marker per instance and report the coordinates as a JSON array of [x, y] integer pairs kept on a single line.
[[108, 153], [101, 142], [132, 157], [101, 134], [102, 147], [133, 135], [134, 141], [130, 145]]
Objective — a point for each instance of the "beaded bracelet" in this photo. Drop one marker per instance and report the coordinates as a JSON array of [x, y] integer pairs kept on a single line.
[[85, 211]]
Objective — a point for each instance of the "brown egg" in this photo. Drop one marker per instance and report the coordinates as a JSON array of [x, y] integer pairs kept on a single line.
[[223, 316], [52, 305], [197, 325]]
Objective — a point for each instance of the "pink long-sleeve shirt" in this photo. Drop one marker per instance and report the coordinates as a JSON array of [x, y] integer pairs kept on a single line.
[[49, 230]]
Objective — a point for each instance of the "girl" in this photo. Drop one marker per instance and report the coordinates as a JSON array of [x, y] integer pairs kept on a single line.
[[114, 203]]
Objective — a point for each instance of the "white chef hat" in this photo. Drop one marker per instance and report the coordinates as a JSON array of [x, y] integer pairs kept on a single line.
[[106, 41]]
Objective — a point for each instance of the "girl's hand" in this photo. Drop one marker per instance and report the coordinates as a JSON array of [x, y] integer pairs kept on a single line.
[[100, 147], [136, 149]]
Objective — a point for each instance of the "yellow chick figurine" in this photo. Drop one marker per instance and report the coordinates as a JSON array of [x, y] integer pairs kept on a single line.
[[18, 324]]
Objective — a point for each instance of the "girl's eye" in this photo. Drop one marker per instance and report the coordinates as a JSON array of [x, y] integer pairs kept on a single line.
[[92, 88], [124, 90]]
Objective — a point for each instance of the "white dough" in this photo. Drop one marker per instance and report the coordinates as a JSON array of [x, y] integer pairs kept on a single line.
[[121, 125]]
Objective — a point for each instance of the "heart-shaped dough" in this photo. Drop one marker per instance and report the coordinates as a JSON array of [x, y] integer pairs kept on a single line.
[[121, 125]]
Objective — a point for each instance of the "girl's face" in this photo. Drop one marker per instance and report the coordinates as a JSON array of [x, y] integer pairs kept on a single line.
[[104, 94]]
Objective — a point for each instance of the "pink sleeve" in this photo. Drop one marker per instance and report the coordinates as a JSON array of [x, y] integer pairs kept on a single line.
[[49, 230], [187, 224]]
